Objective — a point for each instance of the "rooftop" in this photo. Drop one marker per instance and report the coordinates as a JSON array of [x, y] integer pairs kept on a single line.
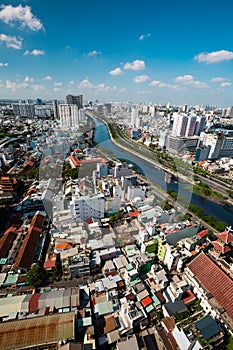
[[214, 280]]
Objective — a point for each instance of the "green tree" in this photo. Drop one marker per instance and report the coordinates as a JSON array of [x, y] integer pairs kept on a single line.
[[36, 276]]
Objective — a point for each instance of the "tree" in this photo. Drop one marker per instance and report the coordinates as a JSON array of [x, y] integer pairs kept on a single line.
[[36, 277]]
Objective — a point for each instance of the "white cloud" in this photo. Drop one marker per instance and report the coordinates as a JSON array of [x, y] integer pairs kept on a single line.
[[71, 83], [217, 80], [198, 84], [11, 41], [161, 84], [154, 82], [3, 64], [34, 52], [15, 85], [94, 53], [48, 78], [184, 78], [141, 78], [116, 71], [10, 14], [214, 57], [189, 80], [58, 83], [87, 85], [225, 84], [28, 79], [37, 87], [143, 36], [135, 65]]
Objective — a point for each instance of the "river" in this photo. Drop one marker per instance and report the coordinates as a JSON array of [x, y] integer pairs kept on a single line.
[[158, 176]]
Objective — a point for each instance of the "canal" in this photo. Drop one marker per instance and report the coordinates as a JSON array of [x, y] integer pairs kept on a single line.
[[158, 176]]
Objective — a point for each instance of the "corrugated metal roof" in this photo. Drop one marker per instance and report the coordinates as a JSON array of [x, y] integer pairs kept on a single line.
[[25, 303], [10, 305], [36, 331], [74, 299]]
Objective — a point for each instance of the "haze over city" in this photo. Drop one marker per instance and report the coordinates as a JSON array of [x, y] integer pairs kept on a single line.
[[154, 51]]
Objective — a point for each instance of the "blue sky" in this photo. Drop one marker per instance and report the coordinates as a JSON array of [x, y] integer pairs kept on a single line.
[[141, 51]]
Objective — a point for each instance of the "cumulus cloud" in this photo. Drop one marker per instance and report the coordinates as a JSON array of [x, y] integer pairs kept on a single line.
[[20, 14], [190, 81], [184, 78], [214, 57], [34, 52], [48, 78], [162, 84], [141, 78], [15, 85], [154, 82], [135, 65], [143, 36], [217, 80], [28, 79], [11, 41], [225, 84], [116, 71], [3, 64], [94, 53], [87, 85]]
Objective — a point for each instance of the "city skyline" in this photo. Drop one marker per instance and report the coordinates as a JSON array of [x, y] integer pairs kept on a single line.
[[152, 52]]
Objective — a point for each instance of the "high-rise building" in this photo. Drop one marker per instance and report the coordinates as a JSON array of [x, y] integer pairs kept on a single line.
[[108, 107], [191, 126], [200, 124], [75, 100], [69, 117], [134, 116], [24, 110], [56, 109], [180, 122]]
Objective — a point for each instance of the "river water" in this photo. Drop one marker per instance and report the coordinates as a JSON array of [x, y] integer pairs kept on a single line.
[[158, 176]]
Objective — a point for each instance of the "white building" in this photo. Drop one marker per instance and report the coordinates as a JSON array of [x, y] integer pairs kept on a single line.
[[179, 124], [134, 117], [69, 116], [86, 207]]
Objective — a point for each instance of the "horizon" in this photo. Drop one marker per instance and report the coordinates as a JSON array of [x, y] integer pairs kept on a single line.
[[180, 52]]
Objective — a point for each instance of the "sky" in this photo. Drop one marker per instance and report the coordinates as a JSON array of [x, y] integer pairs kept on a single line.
[[152, 51]]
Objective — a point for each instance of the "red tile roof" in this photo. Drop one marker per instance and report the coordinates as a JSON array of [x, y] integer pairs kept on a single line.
[[214, 280], [74, 161], [30, 242], [220, 248], [50, 264], [147, 301], [225, 237], [189, 297], [202, 233]]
